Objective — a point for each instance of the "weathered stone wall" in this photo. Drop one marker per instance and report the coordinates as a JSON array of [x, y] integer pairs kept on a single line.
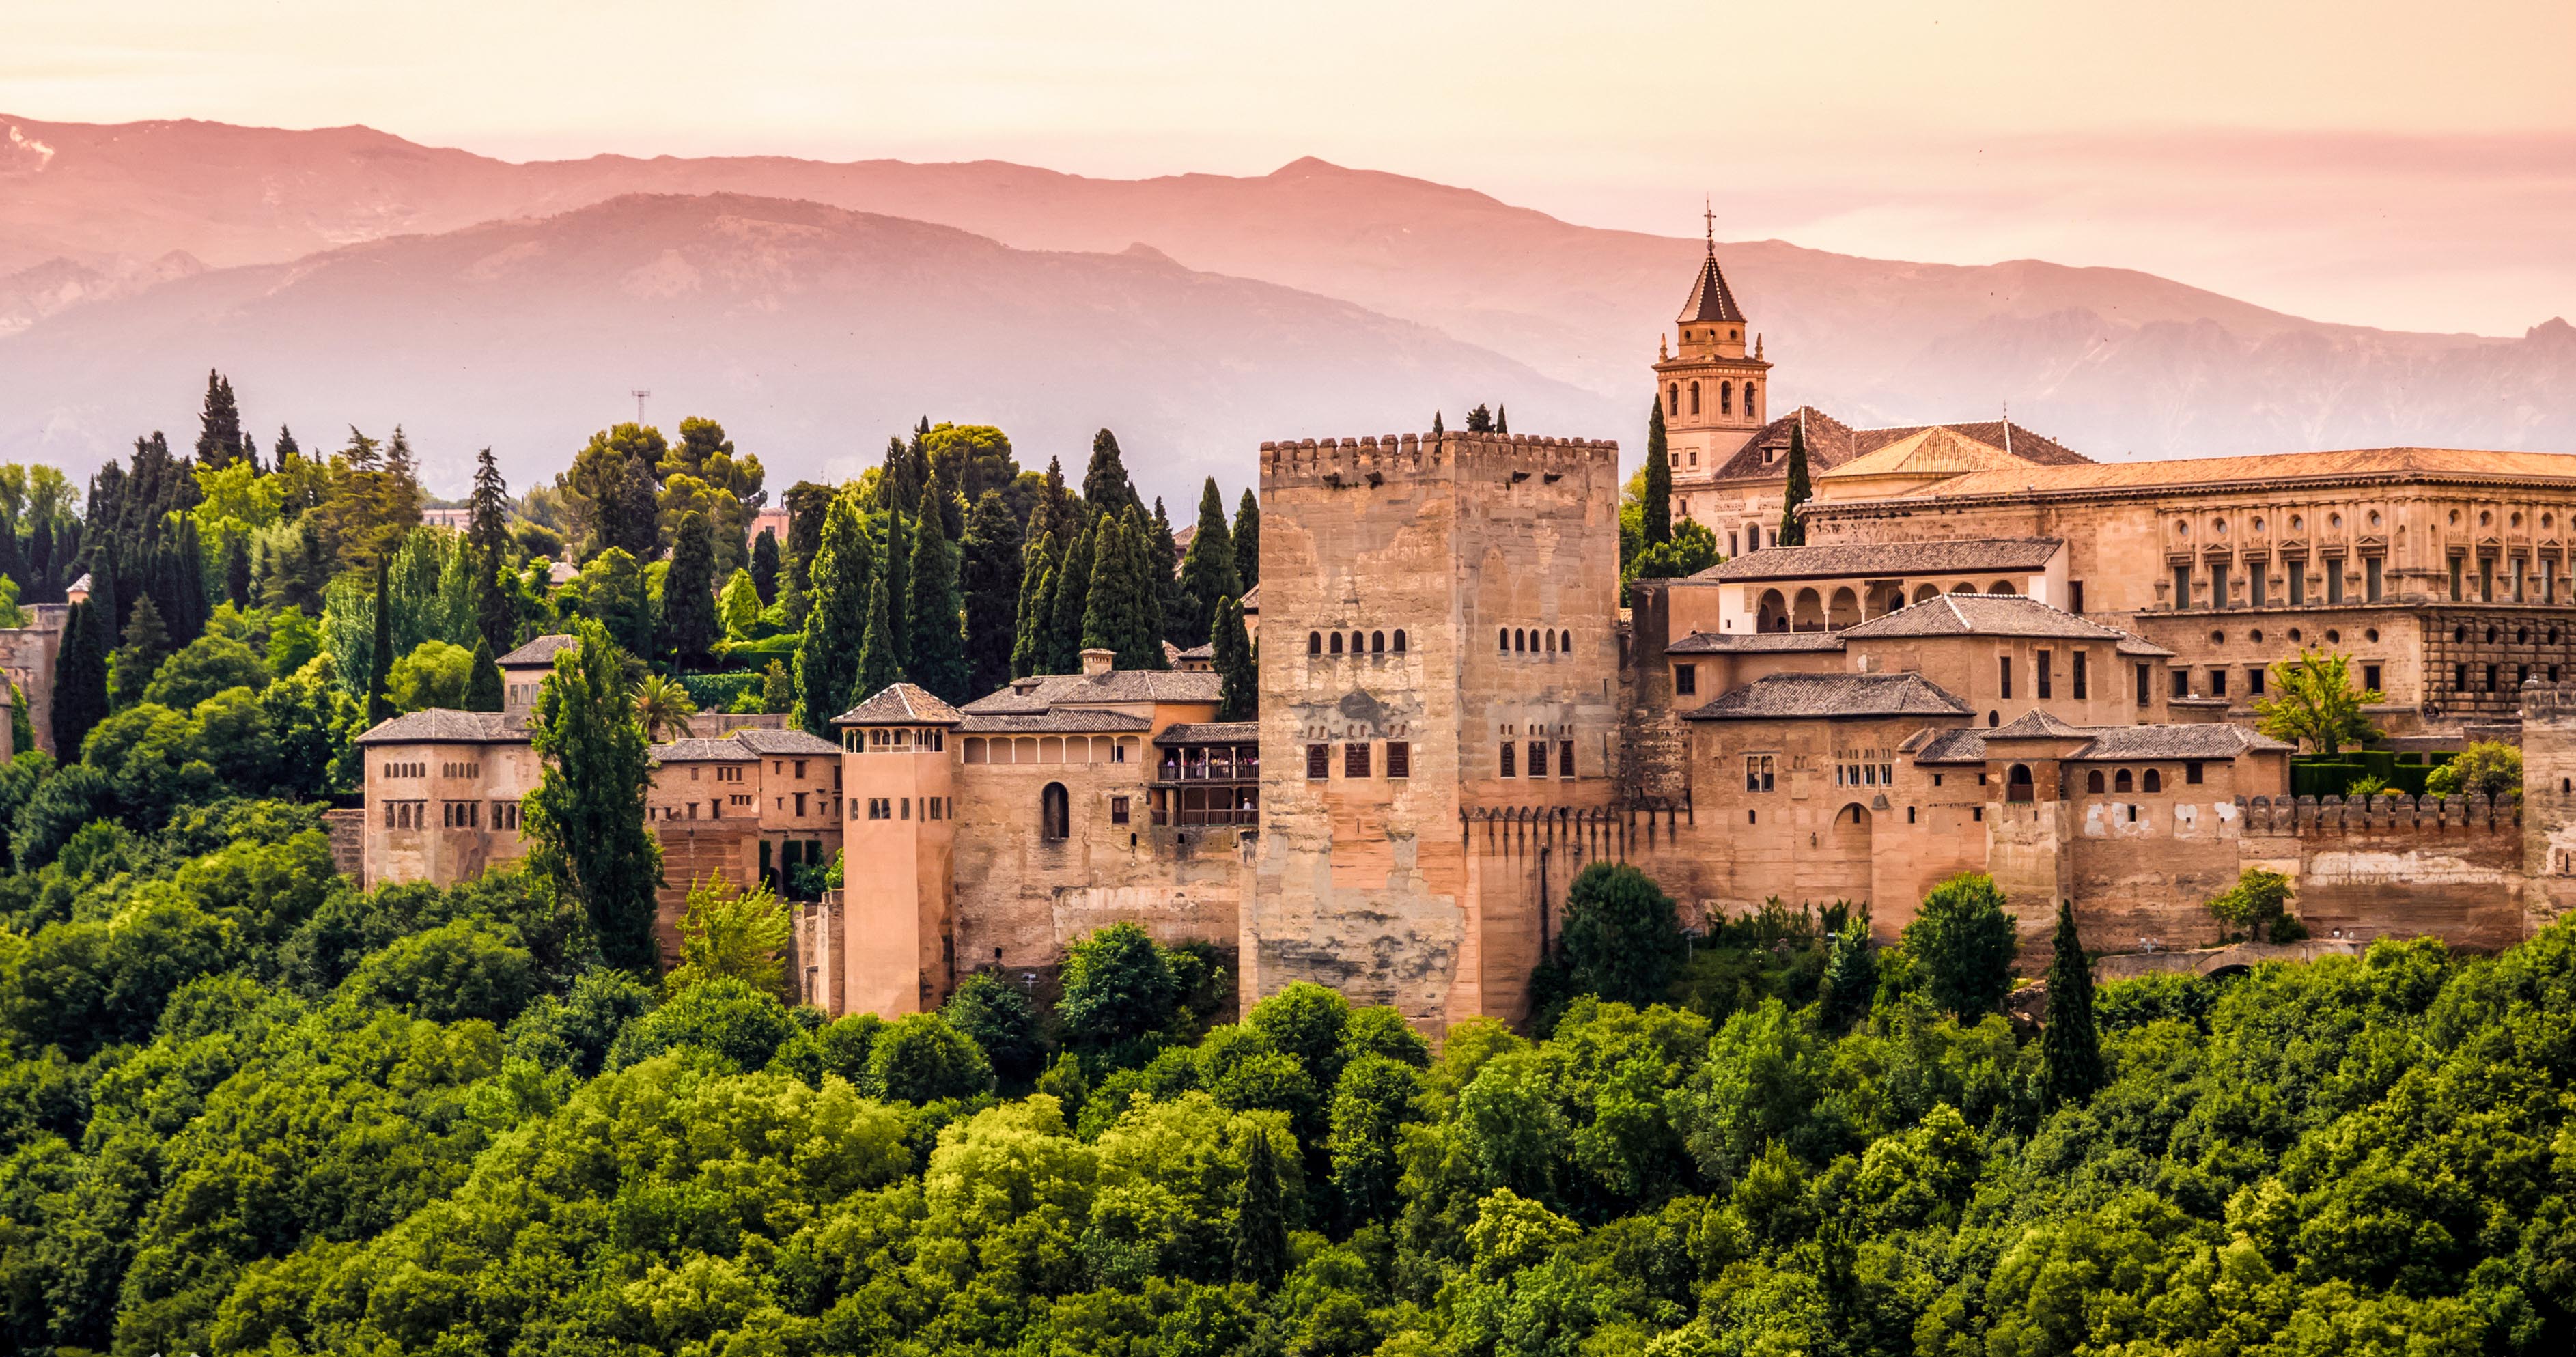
[[428, 776], [27, 656]]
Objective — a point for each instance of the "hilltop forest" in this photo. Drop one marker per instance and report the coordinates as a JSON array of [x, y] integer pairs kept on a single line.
[[248, 1107]]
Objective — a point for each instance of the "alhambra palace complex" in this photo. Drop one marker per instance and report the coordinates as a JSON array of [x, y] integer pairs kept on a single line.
[[1994, 654]]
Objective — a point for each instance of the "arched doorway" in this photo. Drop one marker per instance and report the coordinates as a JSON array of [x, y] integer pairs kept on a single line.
[[1809, 612]]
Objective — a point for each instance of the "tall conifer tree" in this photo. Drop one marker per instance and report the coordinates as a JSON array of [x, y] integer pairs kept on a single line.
[[219, 431], [895, 563], [688, 592], [764, 566], [2070, 1045], [80, 681], [1793, 530], [380, 665], [1105, 487], [487, 537], [147, 644], [484, 690], [878, 664], [1259, 1231], [933, 622], [1171, 612], [1035, 623], [827, 661], [588, 843], [991, 581], [1070, 598], [1207, 571], [1247, 540], [1238, 676], [1658, 516], [237, 570]]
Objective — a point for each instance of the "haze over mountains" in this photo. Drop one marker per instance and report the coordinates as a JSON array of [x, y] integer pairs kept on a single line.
[[345, 275]]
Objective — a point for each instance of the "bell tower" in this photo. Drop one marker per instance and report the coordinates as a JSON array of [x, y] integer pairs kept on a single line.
[[1715, 395]]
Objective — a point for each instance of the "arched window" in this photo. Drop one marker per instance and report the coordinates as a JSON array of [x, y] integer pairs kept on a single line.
[[2093, 782], [1726, 398], [1503, 640], [1748, 400], [1520, 640], [1399, 640], [1055, 812], [2017, 784], [1565, 641], [2155, 781], [1675, 397], [1356, 645], [1994, 719], [1377, 643], [1337, 643], [1694, 398], [2120, 781], [1314, 643], [1550, 638]]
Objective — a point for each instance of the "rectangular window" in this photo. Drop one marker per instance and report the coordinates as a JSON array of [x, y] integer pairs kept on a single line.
[[1319, 762], [2334, 579], [2521, 570], [1511, 759], [2486, 579], [1399, 758], [2459, 678], [1565, 758], [2254, 581], [2491, 678], [2191, 773], [2218, 683], [2254, 681], [2549, 579], [1538, 758], [2077, 660], [2075, 597], [2372, 578], [1355, 759], [2521, 675], [2218, 584], [1757, 772], [2142, 684], [2455, 579], [2004, 664], [2370, 676], [2182, 683], [2182, 587], [2298, 571], [903, 811], [1118, 810], [2040, 674], [1685, 680]]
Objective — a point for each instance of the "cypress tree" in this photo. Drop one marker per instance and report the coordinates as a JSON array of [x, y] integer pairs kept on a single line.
[[1436, 430], [1658, 524], [827, 661], [1793, 531], [1207, 573], [635, 512], [219, 433], [46, 586], [1105, 486], [1052, 515], [764, 565], [588, 844], [878, 665], [807, 504], [13, 563], [1070, 598], [237, 570], [147, 644], [1171, 612], [1111, 613], [2070, 1045], [483, 687], [900, 490], [380, 705], [991, 579], [1247, 540], [933, 622], [689, 592], [1239, 677], [1036, 618], [80, 681], [1260, 1230], [1502, 418]]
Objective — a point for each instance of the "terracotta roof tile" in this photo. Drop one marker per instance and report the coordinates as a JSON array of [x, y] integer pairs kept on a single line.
[[1210, 732], [1118, 685], [2361, 463], [695, 750], [793, 743], [1755, 643], [2035, 724], [1983, 615], [1831, 695], [899, 704], [443, 725], [2208, 740], [1060, 720], [1874, 559], [542, 650]]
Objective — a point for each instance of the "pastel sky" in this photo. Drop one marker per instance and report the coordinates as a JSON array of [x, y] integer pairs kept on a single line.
[[2367, 161]]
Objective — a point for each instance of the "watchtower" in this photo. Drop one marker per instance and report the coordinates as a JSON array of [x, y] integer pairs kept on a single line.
[[1439, 644], [1714, 393]]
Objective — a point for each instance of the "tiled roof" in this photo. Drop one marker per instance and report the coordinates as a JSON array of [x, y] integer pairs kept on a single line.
[[542, 650], [1965, 744], [2200, 741], [794, 743], [899, 704], [1710, 299], [1983, 615], [1202, 652], [695, 750], [1831, 695], [443, 725], [1934, 451], [1252, 599], [1062, 719], [1755, 643], [2036, 724], [1831, 443], [2143, 648], [1210, 732], [2020, 442], [1957, 555], [1118, 685], [2360, 463]]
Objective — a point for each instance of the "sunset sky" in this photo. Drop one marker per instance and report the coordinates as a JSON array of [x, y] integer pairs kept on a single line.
[[2395, 165]]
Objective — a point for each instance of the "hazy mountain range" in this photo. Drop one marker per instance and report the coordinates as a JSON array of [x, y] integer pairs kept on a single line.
[[346, 276]]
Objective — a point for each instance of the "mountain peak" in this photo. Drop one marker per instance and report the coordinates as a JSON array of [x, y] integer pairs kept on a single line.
[[1306, 166]]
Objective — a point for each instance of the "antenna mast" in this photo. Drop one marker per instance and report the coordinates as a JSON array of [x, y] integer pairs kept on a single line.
[[639, 396]]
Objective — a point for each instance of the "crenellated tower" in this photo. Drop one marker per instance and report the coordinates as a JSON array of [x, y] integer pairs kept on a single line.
[[1715, 393]]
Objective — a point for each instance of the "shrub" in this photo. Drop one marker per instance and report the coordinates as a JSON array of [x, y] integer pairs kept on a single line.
[[2488, 768], [1964, 942], [2257, 907]]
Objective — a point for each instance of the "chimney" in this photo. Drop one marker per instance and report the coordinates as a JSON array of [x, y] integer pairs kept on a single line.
[[1098, 660]]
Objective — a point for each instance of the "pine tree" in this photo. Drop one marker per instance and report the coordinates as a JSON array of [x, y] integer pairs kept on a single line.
[[80, 681], [895, 563], [1793, 530], [879, 668], [764, 566], [483, 687], [1105, 486], [1207, 572], [1480, 419], [219, 433], [487, 539], [1171, 612], [588, 844], [380, 705], [1069, 599], [933, 623], [689, 593], [990, 578], [1238, 675], [836, 622], [1247, 540], [1259, 1233], [2070, 1044], [237, 570], [1658, 524], [634, 512], [147, 644]]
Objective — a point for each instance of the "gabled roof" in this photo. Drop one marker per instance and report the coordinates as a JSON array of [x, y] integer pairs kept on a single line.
[[1935, 451], [1829, 696], [1964, 744], [763, 741], [1755, 643], [900, 704], [1831, 444], [2021, 443], [1252, 599], [444, 725], [1082, 720], [1118, 685], [1210, 732], [2036, 724], [542, 650], [1710, 299], [694, 750], [1983, 615], [2206, 740], [1961, 555]]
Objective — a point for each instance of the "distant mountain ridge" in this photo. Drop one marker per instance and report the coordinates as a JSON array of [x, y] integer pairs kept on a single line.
[[2113, 362]]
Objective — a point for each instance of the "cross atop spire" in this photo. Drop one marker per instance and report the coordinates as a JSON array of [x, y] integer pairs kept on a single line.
[[1710, 212]]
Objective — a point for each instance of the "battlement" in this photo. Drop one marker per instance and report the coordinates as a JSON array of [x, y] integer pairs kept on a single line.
[[1341, 462], [2548, 701], [2393, 814]]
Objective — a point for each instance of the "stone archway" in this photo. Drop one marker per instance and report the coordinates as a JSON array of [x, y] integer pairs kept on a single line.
[[1808, 613], [1772, 614], [1844, 611]]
